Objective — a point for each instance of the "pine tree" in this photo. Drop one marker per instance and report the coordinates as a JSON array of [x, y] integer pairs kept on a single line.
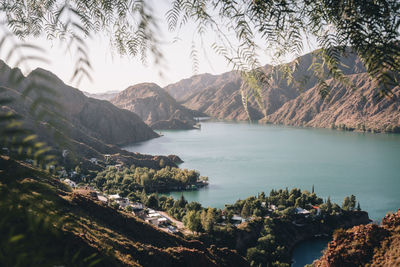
[[312, 190]]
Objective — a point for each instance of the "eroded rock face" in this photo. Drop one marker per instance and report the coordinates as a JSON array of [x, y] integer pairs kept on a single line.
[[344, 108], [155, 106], [365, 245], [298, 103]]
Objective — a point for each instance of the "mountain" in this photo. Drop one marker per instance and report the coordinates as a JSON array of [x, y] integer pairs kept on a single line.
[[298, 103], [44, 223], [102, 96], [365, 245], [345, 109], [88, 127], [155, 106]]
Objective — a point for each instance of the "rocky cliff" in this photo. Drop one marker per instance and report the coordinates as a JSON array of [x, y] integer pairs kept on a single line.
[[298, 103], [365, 245], [155, 106]]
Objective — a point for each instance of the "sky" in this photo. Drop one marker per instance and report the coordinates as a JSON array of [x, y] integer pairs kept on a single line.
[[113, 72]]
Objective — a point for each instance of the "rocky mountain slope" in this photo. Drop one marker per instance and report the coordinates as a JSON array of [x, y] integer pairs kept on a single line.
[[155, 106], [44, 223], [345, 108], [365, 245], [298, 103], [87, 127]]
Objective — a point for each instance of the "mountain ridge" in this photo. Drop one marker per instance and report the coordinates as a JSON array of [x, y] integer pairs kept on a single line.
[[155, 106], [219, 97]]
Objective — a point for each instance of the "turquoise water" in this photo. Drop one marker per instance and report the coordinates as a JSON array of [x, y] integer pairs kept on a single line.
[[242, 159], [306, 252]]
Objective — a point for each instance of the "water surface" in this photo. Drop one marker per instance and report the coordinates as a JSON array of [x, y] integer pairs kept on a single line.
[[242, 159]]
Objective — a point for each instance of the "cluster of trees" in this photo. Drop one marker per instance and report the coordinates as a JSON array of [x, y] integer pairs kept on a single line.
[[126, 180], [349, 204], [278, 203]]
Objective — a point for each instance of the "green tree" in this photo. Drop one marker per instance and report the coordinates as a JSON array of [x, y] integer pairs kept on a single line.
[[152, 201], [192, 221], [346, 204], [353, 202], [181, 202], [246, 210], [208, 219]]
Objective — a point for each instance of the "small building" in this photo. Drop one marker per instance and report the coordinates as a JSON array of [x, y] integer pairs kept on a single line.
[[137, 205], [153, 221], [272, 207], [163, 221], [123, 202], [70, 183], [317, 209], [302, 211], [115, 196], [93, 160], [237, 219], [154, 215], [102, 198], [119, 166], [172, 229]]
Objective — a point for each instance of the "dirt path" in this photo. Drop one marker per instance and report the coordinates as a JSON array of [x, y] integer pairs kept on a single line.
[[178, 224]]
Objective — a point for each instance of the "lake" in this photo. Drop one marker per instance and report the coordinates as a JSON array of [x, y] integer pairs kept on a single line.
[[243, 159]]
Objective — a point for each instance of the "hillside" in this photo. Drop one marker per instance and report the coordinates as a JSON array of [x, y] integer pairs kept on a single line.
[[298, 103], [365, 245], [155, 106], [86, 127], [345, 108], [73, 229]]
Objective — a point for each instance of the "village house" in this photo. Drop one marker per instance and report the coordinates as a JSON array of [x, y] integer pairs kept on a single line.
[[123, 202], [237, 219], [93, 160], [70, 183], [102, 198], [302, 211], [119, 166]]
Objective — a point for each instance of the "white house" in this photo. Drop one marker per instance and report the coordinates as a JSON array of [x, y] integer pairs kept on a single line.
[[237, 219], [70, 183], [93, 160], [102, 198], [123, 202], [116, 196], [302, 211]]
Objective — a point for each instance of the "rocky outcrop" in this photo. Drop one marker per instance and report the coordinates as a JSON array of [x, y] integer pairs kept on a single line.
[[155, 106], [365, 245]]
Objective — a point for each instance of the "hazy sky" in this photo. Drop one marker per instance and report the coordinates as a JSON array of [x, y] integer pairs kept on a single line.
[[114, 72]]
